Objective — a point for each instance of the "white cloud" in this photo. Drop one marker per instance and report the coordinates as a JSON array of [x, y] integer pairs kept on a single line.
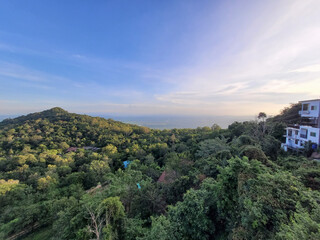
[[308, 69], [260, 74]]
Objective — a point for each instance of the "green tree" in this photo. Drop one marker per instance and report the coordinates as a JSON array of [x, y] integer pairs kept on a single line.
[[190, 217], [106, 219]]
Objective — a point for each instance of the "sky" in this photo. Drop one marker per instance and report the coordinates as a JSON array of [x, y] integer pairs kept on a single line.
[[134, 57]]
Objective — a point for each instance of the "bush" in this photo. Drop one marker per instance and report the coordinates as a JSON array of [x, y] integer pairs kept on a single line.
[[253, 152]]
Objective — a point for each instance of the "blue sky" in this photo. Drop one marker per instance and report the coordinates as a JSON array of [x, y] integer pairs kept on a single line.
[[158, 57]]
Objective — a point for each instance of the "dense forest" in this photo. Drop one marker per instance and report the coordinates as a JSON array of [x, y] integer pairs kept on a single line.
[[70, 176]]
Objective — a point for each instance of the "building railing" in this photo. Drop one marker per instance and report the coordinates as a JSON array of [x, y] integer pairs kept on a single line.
[[304, 112], [295, 126], [310, 122]]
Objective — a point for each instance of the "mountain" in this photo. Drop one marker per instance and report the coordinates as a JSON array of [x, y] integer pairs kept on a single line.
[[61, 126], [52, 114], [56, 114]]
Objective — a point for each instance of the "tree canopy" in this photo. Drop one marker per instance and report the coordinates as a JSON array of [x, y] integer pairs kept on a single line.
[[62, 175]]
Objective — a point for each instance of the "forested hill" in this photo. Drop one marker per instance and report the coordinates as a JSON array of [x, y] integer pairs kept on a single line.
[[289, 115], [51, 114], [57, 129], [70, 176], [58, 116]]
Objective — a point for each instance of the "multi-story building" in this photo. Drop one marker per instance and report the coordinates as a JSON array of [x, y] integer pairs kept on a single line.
[[307, 130]]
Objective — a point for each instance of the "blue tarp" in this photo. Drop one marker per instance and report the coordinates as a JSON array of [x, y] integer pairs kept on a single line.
[[138, 184], [314, 146], [126, 163]]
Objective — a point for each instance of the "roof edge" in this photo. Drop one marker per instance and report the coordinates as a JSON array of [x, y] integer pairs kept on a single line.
[[312, 100]]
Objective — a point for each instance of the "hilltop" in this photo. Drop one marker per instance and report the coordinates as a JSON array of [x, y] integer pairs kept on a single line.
[[56, 121], [52, 113], [56, 114]]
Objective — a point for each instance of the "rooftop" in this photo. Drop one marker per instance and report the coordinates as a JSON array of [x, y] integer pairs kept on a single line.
[[312, 100]]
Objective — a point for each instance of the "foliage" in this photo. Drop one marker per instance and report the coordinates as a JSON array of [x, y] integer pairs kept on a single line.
[[62, 177], [6, 186]]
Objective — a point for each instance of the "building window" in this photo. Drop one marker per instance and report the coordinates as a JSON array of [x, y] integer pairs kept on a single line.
[[301, 144], [313, 107], [313, 134], [296, 141], [289, 132], [305, 107], [297, 132], [304, 133]]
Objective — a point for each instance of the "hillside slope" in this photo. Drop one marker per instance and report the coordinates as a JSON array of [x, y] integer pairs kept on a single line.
[[71, 176], [289, 115]]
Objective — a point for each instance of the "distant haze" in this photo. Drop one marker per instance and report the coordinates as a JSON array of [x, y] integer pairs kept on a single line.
[[169, 121]]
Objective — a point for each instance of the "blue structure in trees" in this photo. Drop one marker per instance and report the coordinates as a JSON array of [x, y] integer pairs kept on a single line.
[[126, 163]]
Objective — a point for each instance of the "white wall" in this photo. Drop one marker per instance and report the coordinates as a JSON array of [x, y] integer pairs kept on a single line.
[[291, 140], [309, 112], [309, 137]]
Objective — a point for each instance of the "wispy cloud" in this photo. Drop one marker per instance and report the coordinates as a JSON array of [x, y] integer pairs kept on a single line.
[[308, 69], [253, 60], [261, 72], [19, 72]]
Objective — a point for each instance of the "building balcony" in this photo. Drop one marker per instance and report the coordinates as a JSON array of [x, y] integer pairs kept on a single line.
[[295, 126], [304, 112]]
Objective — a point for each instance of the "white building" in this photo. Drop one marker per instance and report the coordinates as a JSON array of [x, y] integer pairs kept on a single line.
[[308, 129]]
